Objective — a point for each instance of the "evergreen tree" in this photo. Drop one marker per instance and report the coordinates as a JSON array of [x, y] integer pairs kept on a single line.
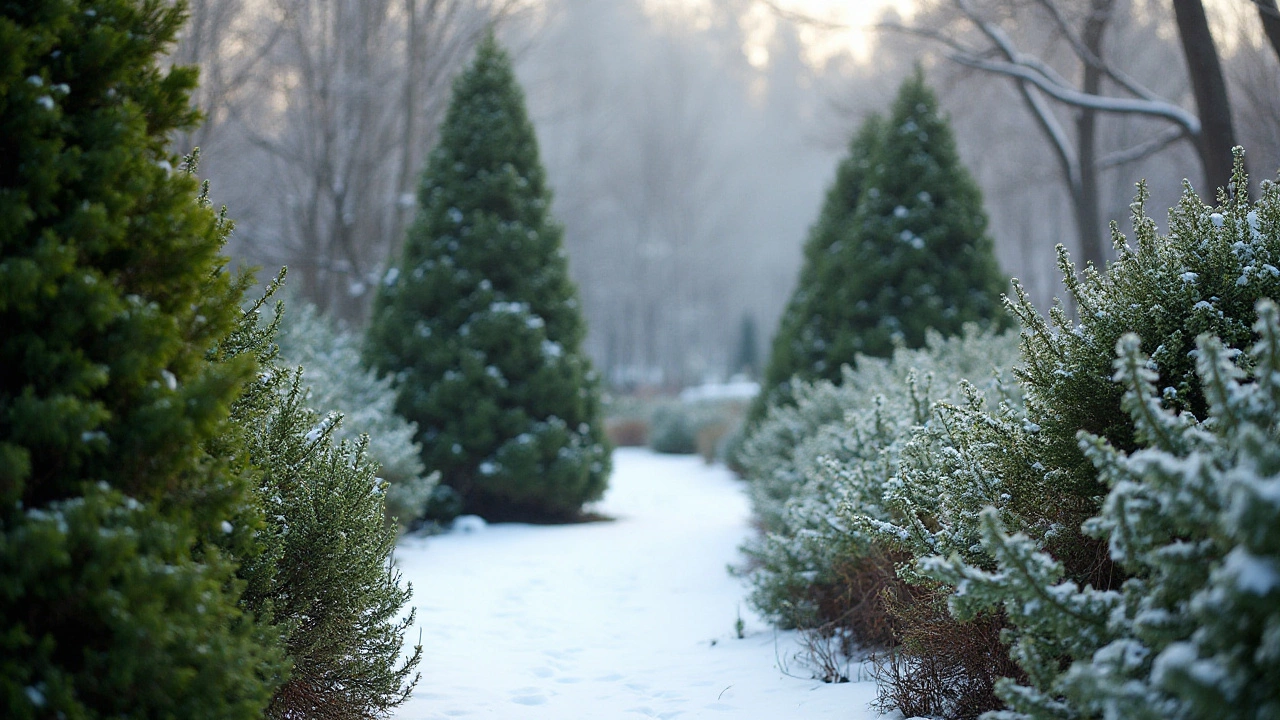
[[747, 359], [900, 247], [114, 601], [480, 322]]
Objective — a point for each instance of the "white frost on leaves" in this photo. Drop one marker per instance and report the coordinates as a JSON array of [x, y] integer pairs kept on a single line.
[[45, 102], [513, 308], [1253, 574], [911, 239], [227, 527], [534, 322], [551, 349], [901, 211], [390, 278], [356, 289], [1217, 219], [455, 214], [488, 468], [34, 696], [92, 436], [170, 381], [1189, 277]]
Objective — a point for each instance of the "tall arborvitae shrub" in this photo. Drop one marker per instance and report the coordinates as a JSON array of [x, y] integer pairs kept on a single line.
[[111, 295], [323, 574], [1140, 582], [900, 247], [480, 323]]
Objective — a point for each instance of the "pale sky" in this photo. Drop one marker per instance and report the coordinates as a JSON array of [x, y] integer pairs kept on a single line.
[[842, 24]]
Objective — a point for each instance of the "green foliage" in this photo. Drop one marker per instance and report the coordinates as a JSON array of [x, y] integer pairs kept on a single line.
[[746, 360], [673, 431], [330, 357], [480, 323], [900, 247], [823, 471], [114, 602], [322, 574], [1158, 430], [106, 614]]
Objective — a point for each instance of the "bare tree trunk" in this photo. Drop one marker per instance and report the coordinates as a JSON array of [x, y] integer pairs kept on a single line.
[[1217, 136], [1088, 220], [409, 129]]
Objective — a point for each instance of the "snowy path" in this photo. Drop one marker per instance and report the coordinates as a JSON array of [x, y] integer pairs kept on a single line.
[[633, 618]]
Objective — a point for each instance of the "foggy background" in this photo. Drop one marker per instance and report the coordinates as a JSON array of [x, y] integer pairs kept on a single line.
[[689, 144]]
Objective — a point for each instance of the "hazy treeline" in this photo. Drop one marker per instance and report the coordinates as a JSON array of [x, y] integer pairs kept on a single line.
[[686, 175]]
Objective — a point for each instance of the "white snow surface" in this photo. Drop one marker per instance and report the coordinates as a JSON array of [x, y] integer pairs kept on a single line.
[[626, 619]]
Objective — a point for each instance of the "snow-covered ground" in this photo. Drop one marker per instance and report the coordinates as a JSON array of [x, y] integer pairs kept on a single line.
[[632, 618]]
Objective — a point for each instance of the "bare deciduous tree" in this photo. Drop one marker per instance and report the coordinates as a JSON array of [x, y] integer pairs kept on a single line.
[[321, 113], [1040, 86]]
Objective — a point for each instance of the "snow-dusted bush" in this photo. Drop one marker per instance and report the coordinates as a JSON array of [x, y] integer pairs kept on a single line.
[[819, 469], [699, 426], [672, 430], [330, 358], [1065, 590], [1192, 516]]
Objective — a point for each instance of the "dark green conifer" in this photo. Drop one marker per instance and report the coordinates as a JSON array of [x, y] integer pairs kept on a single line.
[[480, 321], [900, 247], [747, 358], [113, 601]]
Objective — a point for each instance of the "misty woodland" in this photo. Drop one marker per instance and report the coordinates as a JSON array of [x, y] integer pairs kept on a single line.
[[303, 300]]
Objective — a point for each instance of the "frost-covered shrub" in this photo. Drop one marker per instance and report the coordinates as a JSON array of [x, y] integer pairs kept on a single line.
[[672, 430], [1061, 588], [695, 426], [320, 571], [479, 323], [338, 382], [819, 470], [1192, 516], [899, 248]]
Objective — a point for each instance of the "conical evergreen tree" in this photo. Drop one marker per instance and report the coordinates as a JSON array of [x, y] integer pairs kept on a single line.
[[747, 358], [900, 247], [113, 601], [480, 321]]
